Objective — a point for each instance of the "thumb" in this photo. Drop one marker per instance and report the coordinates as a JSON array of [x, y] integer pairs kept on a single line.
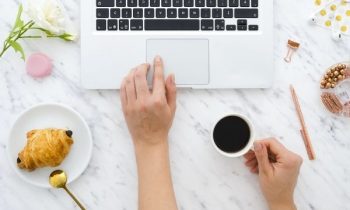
[[171, 92], [262, 156]]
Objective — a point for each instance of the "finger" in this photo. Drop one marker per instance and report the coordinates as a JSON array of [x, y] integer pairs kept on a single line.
[[171, 92], [275, 147], [130, 87], [263, 158], [123, 97], [142, 90], [250, 158], [251, 163], [249, 155], [255, 169], [158, 77]]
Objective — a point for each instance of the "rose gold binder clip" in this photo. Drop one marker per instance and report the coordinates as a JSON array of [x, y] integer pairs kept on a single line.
[[292, 47]]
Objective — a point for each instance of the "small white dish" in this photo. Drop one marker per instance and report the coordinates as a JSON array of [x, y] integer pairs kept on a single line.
[[51, 116]]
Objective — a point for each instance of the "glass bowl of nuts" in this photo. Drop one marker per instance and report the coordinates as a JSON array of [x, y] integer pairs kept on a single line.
[[335, 89]]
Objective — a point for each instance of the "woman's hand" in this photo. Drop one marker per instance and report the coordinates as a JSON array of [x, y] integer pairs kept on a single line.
[[149, 114], [277, 178]]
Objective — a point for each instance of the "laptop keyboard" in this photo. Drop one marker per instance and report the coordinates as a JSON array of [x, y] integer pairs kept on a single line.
[[177, 15]]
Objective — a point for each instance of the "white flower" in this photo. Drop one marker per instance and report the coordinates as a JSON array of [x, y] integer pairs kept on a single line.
[[50, 15]]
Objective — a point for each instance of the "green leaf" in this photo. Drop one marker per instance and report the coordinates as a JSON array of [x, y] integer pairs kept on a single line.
[[18, 48], [19, 22], [47, 32], [67, 37]]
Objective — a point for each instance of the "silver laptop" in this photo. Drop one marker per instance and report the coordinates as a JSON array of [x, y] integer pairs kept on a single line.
[[205, 43]]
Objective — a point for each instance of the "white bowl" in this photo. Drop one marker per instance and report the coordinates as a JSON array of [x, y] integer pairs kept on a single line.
[[51, 116]]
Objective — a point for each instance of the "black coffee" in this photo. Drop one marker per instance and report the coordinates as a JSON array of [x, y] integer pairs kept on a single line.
[[231, 134]]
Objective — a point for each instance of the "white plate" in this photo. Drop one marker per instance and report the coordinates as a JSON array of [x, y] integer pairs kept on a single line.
[[51, 116]]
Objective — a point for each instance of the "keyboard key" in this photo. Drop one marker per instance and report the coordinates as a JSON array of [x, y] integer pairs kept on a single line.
[[242, 27], [255, 3], [149, 13], [228, 13], [188, 3], [126, 13], [207, 25], [194, 13], [136, 25], [172, 24], [137, 13], [171, 13], [216, 13], [121, 3], [101, 25], [143, 3], [219, 25], [246, 13], [183, 13], [166, 3], [230, 27], [241, 22], [104, 3], [222, 3], [211, 3], [112, 25], [160, 13], [102, 13], [132, 3], [244, 3], [253, 27], [124, 24], [177, 3], [233, 3], [115, 13], [154, 3], [205, 13], [199, 3]]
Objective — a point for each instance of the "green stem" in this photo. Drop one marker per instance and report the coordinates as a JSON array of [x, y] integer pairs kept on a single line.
[[37, 37], [17, 36], [30, 37]]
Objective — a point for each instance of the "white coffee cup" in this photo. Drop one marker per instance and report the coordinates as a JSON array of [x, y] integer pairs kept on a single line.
[[246, 148]]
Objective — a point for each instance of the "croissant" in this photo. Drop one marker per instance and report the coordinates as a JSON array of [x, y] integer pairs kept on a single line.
[[45, 147]]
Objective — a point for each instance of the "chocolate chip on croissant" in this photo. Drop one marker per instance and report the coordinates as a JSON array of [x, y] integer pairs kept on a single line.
[[46, 147]]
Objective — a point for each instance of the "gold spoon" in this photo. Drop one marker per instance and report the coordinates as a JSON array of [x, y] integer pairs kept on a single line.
[[58, 179]]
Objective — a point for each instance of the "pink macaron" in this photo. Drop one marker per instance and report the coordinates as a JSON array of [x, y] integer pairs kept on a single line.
[[39, 65]]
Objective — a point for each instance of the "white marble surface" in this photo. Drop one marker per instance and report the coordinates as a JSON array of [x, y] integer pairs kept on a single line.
[[202, 178]]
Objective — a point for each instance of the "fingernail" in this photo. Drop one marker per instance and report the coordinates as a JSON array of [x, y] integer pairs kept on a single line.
[[157, 58], [257, 146]]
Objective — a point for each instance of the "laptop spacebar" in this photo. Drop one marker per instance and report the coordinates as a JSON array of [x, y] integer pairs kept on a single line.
[[171, 24]]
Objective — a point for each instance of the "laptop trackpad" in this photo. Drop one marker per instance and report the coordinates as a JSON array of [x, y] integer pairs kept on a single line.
[[188, 59]]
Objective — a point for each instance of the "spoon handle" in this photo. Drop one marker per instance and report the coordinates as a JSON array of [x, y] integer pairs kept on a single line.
[[74, 198]]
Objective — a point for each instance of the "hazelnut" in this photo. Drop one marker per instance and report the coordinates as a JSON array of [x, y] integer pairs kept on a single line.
[[328, 85], [336, 73], [340, 77], [330, 80], [323, 82]]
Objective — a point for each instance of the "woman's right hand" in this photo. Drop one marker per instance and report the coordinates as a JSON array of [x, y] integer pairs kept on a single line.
[[277, 178]]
